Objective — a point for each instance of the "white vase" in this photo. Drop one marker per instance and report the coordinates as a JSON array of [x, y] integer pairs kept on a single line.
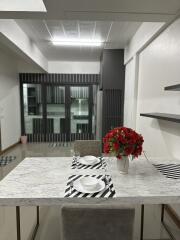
[[123, 164]]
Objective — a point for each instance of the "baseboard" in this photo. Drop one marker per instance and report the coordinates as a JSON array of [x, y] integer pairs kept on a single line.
[[9, 148]]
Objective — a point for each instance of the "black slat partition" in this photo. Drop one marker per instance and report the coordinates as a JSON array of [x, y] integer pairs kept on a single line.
[[112, 84], [54, 78], [81, 136], [37, 125], [59, 137], [112, 109]]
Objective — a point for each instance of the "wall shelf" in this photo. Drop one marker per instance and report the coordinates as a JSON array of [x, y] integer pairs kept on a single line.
[[163, 116], [173, 88]]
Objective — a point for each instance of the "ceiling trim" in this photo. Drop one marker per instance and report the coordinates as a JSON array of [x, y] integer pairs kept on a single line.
[[91, 16]]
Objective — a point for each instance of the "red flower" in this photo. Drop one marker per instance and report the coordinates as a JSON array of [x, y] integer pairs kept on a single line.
[[116, 146], [128, 150], [106, 148], [123, 141]]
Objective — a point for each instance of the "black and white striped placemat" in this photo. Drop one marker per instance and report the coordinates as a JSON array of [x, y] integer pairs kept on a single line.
[[101, 165], [4, 160], [108, 192], [169, 170]]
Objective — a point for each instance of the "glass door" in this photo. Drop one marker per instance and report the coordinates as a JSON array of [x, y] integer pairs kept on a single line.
[[55, 113], [80, 119], [33, 124]]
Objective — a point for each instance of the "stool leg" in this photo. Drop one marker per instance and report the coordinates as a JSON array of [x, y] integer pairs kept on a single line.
[[142, 222], [18, 223]]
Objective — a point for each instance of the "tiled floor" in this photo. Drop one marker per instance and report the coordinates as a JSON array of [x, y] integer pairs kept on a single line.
[[49, 228]]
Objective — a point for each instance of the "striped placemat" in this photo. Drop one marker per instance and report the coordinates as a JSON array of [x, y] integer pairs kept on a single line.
[[4, 160], [169, 170], [101, 165], [108, 192]]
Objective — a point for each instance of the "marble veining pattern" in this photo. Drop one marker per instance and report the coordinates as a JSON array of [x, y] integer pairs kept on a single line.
[[42, 181]]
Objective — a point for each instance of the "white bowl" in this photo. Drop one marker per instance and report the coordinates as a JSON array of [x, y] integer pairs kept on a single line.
[[90, 159], [80, 188], [89, 183]]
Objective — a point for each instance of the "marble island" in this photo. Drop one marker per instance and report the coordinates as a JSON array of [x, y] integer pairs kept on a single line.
[[42, 181]]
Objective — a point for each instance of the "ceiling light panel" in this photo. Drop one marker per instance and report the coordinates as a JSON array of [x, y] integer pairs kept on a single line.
[[76, 43], [55, 28], [87, 29], [71, 29]]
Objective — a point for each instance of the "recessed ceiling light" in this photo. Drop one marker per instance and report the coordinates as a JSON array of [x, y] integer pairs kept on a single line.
[[77, 42]]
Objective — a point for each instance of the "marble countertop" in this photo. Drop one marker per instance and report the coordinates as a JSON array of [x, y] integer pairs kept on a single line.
[[42, 181]]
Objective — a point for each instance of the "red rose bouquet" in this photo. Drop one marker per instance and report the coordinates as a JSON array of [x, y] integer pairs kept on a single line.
[[122, 141]]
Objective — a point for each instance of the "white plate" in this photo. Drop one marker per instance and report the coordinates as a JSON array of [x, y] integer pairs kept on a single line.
[[89, 160], [80, 188], [89, 182]]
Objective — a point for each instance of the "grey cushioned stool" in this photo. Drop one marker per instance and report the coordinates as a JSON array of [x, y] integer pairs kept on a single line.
[[97, 222], [88, 147]]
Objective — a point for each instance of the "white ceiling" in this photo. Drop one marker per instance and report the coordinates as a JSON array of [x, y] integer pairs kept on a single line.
[[21, 5], [114, 34], [116, 10]]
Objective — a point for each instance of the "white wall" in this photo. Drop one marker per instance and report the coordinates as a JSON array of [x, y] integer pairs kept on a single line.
[[157, 66], [74, 67], [152, 62], [142, 37], [145, 32], [130, 97], [9, 101]]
